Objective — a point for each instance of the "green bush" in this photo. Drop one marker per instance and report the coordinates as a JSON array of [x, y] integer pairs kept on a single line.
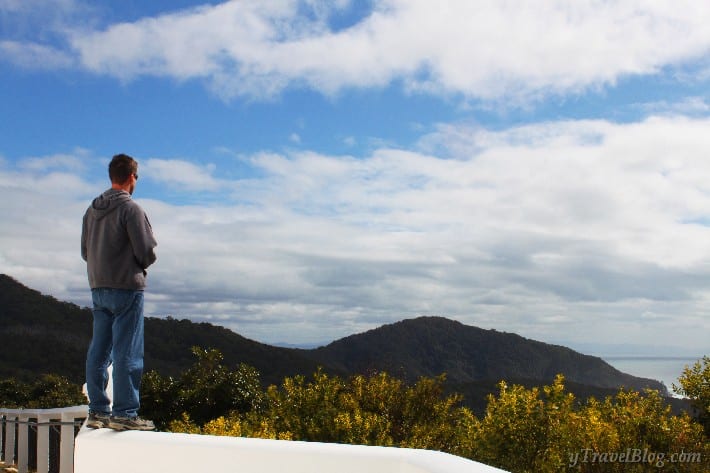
[[47, 392], [206, 390], [695, 385]]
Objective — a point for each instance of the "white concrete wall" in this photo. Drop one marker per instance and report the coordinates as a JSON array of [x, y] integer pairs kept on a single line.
[[107, 451]]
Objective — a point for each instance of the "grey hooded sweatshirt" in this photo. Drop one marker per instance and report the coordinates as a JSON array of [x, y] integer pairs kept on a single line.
[[117, 242]]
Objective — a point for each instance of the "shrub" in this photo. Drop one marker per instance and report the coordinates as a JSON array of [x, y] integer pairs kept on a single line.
[[374, 410], [206, 390], [523, 430], [48, 392], [695, 385]]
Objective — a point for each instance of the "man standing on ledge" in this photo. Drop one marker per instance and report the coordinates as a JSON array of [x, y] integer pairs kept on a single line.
[[117, 244]]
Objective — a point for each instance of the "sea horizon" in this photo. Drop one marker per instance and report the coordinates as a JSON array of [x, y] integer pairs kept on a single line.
[[666, 369]]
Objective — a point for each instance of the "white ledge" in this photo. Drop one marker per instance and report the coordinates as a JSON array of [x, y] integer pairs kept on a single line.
[[108, 451]]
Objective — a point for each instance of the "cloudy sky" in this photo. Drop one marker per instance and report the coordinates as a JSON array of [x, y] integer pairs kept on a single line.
[[315, 168]]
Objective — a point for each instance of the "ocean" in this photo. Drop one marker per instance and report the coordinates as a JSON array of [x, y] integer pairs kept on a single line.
[[662, 368]]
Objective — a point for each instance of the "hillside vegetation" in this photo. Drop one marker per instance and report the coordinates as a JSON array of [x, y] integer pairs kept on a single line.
[[538, 429], [474, 360], [517, 426], [427, 346]]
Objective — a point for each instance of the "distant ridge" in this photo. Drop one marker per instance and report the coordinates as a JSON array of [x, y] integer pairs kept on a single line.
[[428, 346], [43, 335]]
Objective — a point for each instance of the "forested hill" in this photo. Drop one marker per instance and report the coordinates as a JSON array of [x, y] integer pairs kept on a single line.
[[43, 335], [428, 346], [39, 334]]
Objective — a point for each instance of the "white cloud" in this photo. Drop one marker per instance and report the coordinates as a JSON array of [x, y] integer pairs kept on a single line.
[[51, 174], [41, 19], [688, 106], [183, 174], [72, 162], [33, 33], [35, 56], [12, 6], [573, 230], [489, 50]]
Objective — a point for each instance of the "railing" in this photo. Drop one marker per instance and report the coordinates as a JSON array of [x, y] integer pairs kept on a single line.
[[21, 429]]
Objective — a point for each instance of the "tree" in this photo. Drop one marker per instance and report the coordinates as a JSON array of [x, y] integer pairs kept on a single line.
[[48, 392], [206, 390], [13, 394], [695, 385]]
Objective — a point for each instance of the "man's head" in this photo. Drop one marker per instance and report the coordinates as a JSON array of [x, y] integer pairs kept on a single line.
[[123, 172]]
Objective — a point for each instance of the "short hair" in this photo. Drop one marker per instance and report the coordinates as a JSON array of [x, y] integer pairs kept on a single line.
[[121, 168]]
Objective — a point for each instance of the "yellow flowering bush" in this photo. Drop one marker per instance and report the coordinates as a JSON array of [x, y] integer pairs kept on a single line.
[[539, 429]]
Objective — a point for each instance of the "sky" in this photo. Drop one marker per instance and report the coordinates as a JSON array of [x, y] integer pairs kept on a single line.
[[314, 169]]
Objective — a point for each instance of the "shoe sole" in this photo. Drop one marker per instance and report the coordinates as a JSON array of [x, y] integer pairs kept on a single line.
[[96, 425], [123, 427]]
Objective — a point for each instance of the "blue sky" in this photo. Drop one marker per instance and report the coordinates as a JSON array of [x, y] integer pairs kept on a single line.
[[314, 168]]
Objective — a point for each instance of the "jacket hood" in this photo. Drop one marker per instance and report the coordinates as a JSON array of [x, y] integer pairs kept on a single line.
[[108, 202]]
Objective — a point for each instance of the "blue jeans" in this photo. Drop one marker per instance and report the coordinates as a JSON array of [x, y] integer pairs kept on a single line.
[[117, 339]]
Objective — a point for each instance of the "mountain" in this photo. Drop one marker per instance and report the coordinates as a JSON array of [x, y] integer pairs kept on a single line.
[[428, 346], [43, 335], [40, 334], [168, 342]]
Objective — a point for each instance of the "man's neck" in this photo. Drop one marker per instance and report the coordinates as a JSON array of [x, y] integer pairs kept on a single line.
[[121, 187]]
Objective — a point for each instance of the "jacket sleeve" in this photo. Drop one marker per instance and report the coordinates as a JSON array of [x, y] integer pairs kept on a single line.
[[140, 233], [84, 248]]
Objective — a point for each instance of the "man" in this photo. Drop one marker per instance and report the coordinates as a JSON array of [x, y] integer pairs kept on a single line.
[[117, 244]]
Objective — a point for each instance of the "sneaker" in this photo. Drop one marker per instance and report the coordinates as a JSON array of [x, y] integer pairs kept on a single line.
[[96, 420], [130, 423]]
